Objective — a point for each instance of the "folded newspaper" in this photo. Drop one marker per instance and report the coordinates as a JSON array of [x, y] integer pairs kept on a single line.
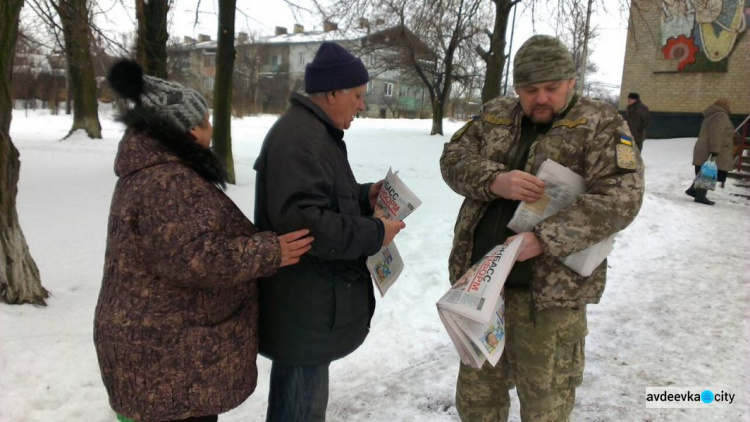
[[562, 187], [395, 202], [473, 309]]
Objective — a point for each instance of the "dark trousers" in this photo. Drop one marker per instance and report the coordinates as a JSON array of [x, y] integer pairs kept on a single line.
[[298, 393]]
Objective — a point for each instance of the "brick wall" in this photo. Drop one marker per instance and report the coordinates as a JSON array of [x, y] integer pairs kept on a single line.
[[662, 87]]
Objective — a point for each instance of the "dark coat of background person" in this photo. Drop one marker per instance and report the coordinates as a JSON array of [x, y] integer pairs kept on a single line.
[[318, 310], [639, 118], [176, 323], [715, 137]]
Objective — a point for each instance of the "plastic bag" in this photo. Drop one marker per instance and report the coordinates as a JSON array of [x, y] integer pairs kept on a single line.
[[706, 178]]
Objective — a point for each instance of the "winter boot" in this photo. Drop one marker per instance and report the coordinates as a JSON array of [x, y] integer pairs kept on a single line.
[[700, 197], [691, 190]]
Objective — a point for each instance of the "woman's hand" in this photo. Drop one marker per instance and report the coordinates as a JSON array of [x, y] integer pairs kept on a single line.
[[293, 245]]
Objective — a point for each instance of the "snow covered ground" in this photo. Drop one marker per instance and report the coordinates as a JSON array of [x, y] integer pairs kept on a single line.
[[675, 312]]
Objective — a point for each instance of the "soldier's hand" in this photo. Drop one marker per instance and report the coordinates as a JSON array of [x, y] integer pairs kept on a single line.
[[391, 229], [531, 246], [293, 245], [518, 185]]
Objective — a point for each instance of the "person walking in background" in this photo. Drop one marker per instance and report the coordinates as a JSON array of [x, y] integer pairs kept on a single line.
[[176, 322], [319, 310], [638, 117], [491, 161], [715, 142]]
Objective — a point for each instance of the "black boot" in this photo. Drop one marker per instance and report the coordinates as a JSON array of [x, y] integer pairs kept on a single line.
[[700, 197], [691, 190]]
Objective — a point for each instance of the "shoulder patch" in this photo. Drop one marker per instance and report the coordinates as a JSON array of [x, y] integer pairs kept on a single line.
[[497, 120], [625, 139], [625, 153], [460, 132], [570, 124]]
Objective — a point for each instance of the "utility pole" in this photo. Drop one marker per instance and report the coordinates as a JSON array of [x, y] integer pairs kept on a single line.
[[584, 59]]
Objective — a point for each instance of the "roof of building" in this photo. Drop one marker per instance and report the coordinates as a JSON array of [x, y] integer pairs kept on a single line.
[[316, 36]]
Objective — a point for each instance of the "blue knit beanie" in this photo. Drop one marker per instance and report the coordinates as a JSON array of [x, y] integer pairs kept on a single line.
[[334, 68]]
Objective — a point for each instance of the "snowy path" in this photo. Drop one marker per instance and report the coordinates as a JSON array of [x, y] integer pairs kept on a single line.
[[675, 312]]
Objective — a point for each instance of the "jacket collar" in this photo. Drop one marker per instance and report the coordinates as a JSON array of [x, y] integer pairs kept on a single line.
[[303, 101], [151, 140]]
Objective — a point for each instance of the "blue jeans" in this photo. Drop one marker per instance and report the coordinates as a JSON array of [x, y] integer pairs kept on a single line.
[[298, 393]]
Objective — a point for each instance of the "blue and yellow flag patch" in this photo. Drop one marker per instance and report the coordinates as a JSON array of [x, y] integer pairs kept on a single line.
[[625, 154]]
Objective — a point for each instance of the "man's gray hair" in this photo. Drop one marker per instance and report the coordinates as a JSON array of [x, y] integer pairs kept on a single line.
[[323, 94]]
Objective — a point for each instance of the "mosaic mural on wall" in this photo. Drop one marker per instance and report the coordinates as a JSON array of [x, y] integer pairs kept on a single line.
[[701, 34]]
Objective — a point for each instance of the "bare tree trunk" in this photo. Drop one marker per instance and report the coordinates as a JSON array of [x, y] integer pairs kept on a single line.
[[495, 57], [584, 56], [75, 22], [19, 275], [437, 118], [151, 46], [223, 87]]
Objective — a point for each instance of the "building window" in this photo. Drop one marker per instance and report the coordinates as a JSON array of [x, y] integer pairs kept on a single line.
[[403, 90], [275, 60], [301, 58], [209, 61], [208, 83], [388, 89]]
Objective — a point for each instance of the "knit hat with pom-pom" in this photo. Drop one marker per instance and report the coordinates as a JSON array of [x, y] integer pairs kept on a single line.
[[183, 106]]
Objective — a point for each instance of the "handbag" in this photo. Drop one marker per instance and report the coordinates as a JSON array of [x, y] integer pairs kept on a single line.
[[706, 178]]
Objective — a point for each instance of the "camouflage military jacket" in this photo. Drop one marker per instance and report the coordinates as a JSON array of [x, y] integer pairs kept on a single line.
[[585, 141]]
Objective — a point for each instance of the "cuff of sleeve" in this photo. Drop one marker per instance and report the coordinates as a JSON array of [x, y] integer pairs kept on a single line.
[[268, 244], [543, 241], [364, 199], [487, 192], [380, 236]]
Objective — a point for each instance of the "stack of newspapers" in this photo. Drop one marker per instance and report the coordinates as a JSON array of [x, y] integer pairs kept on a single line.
[[395, 202], [473, 310], [562, 187]]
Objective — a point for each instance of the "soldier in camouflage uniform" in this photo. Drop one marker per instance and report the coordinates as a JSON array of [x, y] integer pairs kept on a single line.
[[491, 162]]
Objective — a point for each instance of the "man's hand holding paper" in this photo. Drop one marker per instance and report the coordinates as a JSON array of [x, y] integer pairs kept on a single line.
[[518, 185]]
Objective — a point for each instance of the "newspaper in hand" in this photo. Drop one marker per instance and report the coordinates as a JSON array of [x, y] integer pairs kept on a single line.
[[562, 187], [385, 267], [473, 310], [469, 353], [395, 202], [487, 339]]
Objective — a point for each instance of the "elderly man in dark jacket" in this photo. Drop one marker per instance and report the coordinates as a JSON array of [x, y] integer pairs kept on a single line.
[[638, 117], [319, 310]]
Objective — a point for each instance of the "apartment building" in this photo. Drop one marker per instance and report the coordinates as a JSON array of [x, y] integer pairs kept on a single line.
[[269, 69]]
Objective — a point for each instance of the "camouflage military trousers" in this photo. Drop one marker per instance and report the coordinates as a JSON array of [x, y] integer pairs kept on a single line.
[[543, 359]]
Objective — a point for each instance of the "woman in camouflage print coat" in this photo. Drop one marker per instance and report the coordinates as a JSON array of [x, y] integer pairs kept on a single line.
[[176, 323]]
